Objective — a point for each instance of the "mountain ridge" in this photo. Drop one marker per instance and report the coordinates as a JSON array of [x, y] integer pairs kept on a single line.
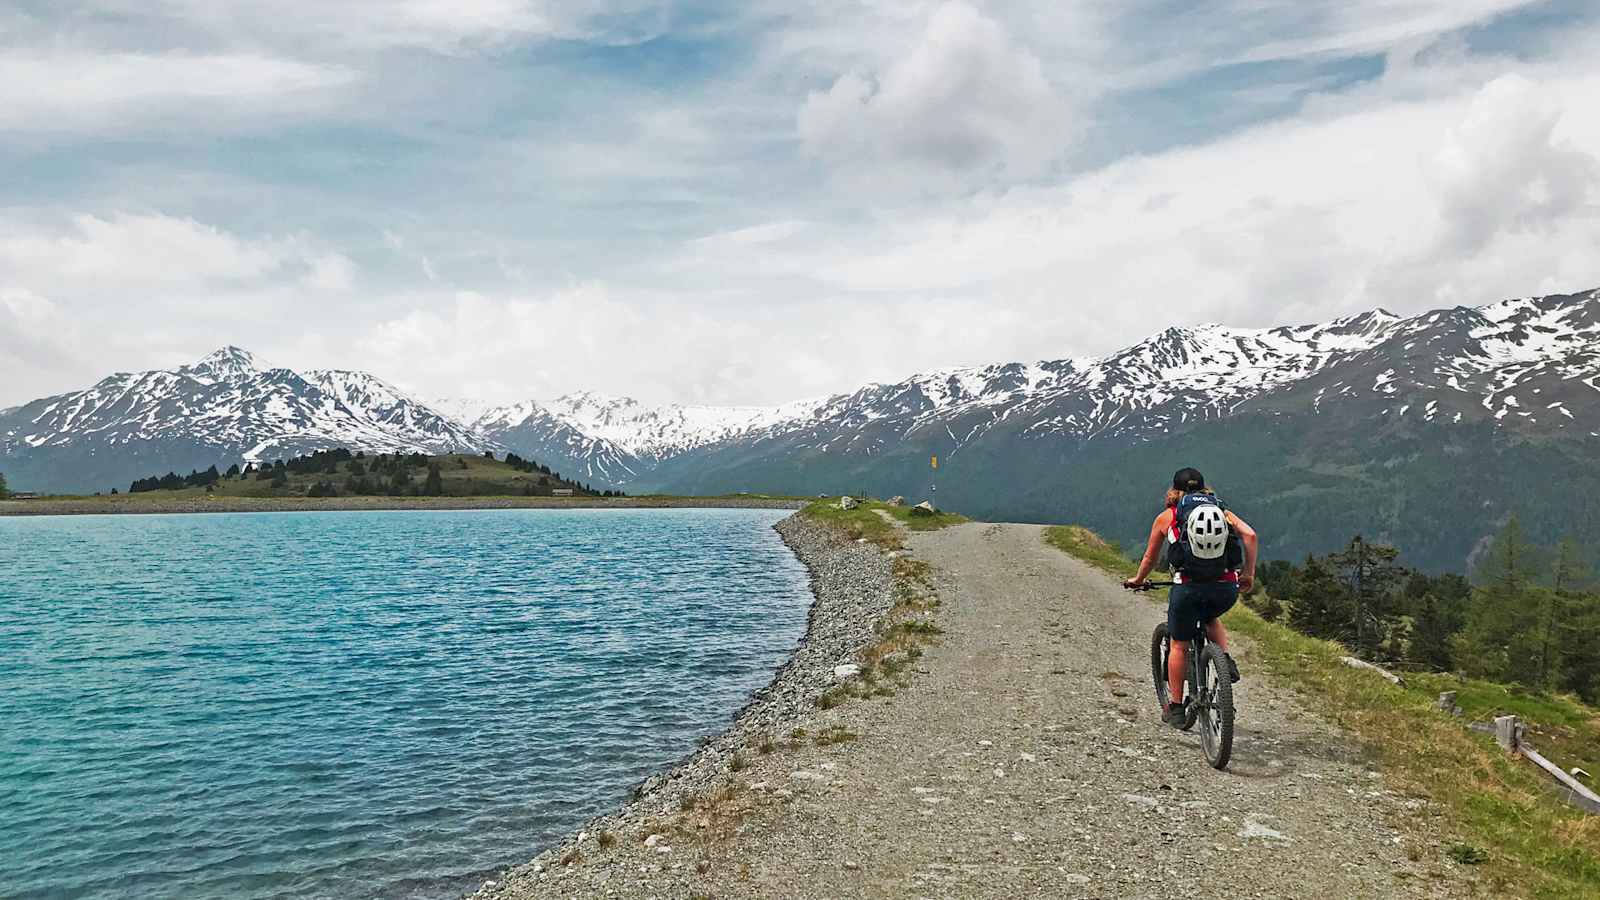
[[1515, 383]]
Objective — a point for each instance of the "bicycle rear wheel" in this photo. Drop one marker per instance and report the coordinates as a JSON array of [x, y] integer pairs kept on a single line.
[[1159, 648], [1215, 702]]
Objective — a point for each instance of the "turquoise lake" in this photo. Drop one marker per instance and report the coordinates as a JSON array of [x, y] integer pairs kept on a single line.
[[372, 704]]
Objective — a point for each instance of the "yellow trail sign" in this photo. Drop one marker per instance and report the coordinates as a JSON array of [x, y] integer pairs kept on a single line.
[[936, 462]]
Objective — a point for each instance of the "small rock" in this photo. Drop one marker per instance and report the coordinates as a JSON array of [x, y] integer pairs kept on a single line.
[[848, 670], [1255, 829], [1142, 801], [1075, 878], [652, 840], [847, 503]]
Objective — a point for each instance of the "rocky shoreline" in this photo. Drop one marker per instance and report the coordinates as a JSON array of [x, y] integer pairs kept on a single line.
[[143, 505], [852, 582]]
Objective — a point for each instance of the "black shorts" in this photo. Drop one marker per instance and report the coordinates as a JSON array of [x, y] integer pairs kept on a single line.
[[1188, 605]]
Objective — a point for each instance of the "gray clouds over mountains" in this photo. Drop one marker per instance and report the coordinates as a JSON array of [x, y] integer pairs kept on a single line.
[[750, 203]]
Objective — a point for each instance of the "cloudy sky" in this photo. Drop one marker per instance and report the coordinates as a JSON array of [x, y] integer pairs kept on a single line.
[[751, 202]]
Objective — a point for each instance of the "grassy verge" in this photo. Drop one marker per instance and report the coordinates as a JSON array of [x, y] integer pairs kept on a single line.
[[865, 520], [1527, 841]]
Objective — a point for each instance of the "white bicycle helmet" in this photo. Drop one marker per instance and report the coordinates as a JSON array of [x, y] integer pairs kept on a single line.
[[1207, 531]]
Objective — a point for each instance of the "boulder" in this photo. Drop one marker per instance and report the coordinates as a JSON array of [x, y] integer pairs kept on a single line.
[[895, 501], [924, 509], [848, 670], [847, 503]]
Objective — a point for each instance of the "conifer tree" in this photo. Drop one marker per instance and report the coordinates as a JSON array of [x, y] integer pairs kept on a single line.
[[1431, 634], [4, 491], [1500, 641], [1370, 575], [1323, 607], [434, 486]]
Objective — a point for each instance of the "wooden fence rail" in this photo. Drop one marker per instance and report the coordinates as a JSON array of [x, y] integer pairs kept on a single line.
[[1508, 733]]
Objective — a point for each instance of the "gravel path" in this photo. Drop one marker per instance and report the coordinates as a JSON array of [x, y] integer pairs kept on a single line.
[[1024, 758]]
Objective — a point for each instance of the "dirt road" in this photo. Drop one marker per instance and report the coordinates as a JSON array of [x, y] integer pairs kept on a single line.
[[1027, 759]]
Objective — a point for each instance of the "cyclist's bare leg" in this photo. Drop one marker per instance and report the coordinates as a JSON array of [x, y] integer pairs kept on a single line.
[[1177, 668], [1216, 634]]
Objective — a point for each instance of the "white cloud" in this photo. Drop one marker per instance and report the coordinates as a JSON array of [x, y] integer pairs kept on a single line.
[[747, 210], [133, 252], [1502, 167], [1482, 192], [1362, 26], [966, 97], [73, 91], [444, 26]]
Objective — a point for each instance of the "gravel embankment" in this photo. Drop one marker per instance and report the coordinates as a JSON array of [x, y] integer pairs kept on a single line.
[[145, 505], [852, 584], [1025, 758]]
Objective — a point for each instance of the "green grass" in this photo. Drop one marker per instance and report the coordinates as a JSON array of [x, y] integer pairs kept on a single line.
[[1089, 547], [857, 523], [865, 522], [1563, 729], [903, 515], [1512, 827]]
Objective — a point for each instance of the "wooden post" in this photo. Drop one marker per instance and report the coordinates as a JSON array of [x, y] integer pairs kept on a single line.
[[1508, 732]]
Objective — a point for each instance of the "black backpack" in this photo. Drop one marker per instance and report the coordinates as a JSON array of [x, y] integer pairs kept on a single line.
[[1181, 555]]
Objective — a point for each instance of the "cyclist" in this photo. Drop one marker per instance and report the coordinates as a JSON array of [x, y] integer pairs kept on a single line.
[[1211, 585]]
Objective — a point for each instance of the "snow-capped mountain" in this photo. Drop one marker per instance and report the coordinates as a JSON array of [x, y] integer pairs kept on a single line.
[[1361, 423], [225, 407], [1525, 365], [618, 439]]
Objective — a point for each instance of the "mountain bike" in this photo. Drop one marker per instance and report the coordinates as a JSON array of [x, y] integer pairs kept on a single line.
[[1208, 689]]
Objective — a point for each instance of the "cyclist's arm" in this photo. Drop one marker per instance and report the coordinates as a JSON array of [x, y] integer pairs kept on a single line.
[[1152, 550], [1247, 536]]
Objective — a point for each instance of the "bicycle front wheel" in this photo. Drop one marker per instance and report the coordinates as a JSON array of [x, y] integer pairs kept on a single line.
[[1216, 706]]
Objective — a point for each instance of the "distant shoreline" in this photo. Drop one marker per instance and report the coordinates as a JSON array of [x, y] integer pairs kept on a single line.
[[144, 505]]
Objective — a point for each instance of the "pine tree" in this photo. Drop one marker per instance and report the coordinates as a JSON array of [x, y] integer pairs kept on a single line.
[[434, 486], [1371, 577], [1323, 607], [1431, 634], [1580, 635], [1501, 639], [1573, 626], [4, 491], [280, 478]]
